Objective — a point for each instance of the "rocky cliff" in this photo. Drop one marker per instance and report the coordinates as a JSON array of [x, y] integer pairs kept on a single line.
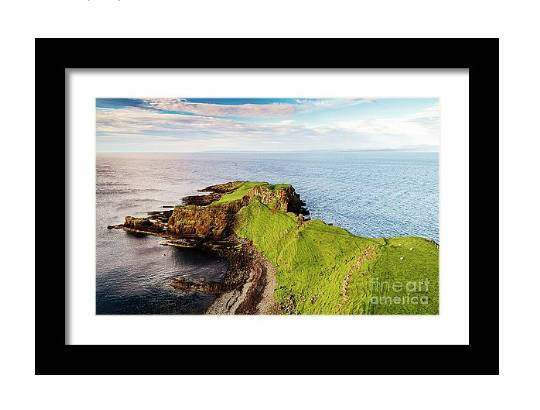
[[280, 261], [213, 216], [207, 222]]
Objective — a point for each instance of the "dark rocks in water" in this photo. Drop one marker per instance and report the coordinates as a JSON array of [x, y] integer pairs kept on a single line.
[[302, 207], [137, 233], [184, 242], [144, 225], [189, 285]]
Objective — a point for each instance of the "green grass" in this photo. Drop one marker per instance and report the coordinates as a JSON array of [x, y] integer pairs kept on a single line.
[[323, 269], [244, 188]]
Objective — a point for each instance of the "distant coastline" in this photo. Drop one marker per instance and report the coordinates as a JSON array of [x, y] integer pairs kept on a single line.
[[427, 149]]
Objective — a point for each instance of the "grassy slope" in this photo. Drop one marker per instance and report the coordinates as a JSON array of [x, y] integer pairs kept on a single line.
[[243, 189], [324, 269]]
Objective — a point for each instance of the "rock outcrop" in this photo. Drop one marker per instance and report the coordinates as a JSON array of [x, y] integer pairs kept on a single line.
[[282, 199], [207, 222], [223, 188], [201, 200], [213, 222], [144, 224]]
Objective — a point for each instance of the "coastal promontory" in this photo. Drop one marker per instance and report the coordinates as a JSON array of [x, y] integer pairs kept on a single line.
[[280, 261]]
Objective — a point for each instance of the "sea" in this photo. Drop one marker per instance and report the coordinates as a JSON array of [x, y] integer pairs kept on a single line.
[[369, 193]]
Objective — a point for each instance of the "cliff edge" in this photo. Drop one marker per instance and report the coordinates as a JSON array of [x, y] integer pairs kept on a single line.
[[280, 261]]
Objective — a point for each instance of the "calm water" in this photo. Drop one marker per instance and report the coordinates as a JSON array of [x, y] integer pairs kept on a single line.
[[368, 193]]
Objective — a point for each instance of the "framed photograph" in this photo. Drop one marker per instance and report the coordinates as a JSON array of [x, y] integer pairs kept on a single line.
[[267, 206]]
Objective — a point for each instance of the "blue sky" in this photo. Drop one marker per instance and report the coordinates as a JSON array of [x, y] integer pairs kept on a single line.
[[265, 124]]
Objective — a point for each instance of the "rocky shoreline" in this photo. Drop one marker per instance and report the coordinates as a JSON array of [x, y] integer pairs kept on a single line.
[[282, 262], [207, 222]]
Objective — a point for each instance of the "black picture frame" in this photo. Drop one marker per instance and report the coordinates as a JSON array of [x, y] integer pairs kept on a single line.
[[55, 56]]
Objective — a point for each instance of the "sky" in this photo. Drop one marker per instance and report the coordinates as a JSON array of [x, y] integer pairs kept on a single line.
[[266, 124]]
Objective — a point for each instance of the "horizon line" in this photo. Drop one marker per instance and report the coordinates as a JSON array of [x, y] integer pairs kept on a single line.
[[269, 151]]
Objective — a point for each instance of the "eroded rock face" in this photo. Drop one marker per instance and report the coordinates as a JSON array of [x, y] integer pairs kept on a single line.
[[250, 282], [283, 199], [201, 218], [214, 222], [144, 224]]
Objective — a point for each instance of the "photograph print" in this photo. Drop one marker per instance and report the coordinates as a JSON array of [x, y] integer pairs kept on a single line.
[[267, 206]]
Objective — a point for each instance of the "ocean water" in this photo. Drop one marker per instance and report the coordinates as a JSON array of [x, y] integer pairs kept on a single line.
[[375, 194]]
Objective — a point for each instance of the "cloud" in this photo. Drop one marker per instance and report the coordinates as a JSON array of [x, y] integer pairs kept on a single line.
[[163, 130], [332, 103], [423, 126], [271, 110], [429, 118], [222, 110]]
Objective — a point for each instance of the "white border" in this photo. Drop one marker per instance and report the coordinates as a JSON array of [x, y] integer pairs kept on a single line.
[[450, 327]]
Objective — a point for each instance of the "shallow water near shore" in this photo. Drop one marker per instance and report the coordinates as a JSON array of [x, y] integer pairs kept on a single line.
[[375, 194]]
